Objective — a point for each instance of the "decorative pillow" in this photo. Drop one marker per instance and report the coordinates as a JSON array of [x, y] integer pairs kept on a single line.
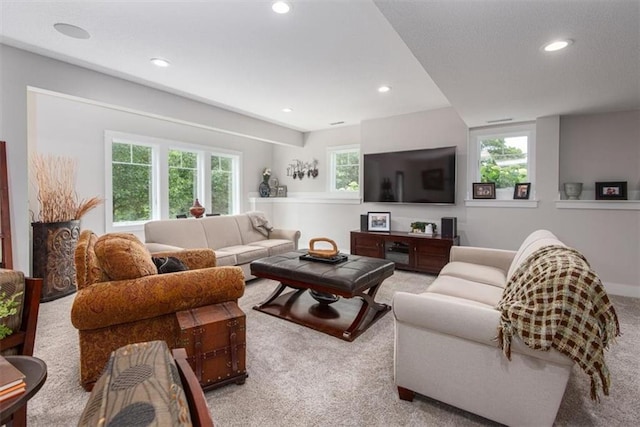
[[169, 264], [123, 256]]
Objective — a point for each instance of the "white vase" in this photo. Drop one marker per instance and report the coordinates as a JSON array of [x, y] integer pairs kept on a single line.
[[573, 190]]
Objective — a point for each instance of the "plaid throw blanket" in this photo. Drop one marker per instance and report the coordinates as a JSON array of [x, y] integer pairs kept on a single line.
[[555, 300]]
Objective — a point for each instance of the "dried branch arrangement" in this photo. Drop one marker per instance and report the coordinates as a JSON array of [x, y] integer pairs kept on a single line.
[[55, 177]]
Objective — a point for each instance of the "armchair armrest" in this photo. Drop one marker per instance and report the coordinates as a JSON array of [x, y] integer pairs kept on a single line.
[[498, 258], [192, 258], [109, 303], [278, 233]]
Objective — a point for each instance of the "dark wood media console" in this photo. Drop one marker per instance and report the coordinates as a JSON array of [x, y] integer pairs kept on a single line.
[[409, 251]]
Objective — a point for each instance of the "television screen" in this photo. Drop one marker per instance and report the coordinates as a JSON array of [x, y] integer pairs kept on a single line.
[[415, 176]]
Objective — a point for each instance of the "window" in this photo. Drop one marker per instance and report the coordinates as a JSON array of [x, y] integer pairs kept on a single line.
[[150, 178], [224, 183], [344, 174], [183, 181], [504, 156], [132, 182]]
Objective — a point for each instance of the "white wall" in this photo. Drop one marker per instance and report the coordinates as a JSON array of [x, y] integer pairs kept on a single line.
[[601, 147], [609, 239], [76, 129], [20, 69]]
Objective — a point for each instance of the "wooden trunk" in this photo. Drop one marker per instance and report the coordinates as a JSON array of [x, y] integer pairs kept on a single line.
[[215, 339]]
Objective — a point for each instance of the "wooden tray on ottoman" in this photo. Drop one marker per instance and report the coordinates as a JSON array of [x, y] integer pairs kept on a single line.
[[215, 339]]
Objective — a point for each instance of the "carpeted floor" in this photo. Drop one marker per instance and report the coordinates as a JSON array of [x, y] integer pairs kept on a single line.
[[300, 377]]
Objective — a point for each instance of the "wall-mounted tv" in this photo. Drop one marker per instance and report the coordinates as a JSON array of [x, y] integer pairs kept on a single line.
[[414, 176]]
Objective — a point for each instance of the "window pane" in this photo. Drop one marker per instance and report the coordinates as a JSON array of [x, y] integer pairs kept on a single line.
[[131, 189], [222, 185], [183, 182], [504, 161], [121, 152], [141, 154], [347, 170]]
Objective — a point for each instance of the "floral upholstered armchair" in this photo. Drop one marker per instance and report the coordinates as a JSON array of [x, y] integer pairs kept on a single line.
[[122, 299]]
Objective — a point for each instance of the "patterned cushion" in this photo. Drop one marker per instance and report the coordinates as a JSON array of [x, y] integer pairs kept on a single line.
[[123, 256], [140, 386]]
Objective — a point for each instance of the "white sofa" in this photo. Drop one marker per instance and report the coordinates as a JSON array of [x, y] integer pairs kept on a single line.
[[446, 346], [234, 238]]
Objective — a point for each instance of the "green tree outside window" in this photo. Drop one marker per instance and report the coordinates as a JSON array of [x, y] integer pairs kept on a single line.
[[502, 163]]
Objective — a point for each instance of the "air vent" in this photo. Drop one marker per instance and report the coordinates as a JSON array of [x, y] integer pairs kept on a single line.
[[336, 123], [500, 120]]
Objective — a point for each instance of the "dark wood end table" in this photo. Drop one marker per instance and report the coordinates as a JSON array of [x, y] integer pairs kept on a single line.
[[13, 411]]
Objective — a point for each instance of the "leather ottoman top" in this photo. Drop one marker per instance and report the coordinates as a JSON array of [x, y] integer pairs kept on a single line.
[[351, 276]]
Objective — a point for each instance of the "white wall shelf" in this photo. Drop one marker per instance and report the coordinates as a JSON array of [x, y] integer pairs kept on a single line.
[[497, 203], [626, 205]]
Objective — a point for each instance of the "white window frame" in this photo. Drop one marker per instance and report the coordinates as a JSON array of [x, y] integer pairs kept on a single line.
[[479, 134], [160, 174], [331, 161]]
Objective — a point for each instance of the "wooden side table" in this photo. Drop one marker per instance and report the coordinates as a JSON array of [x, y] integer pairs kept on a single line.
[[13, 411]]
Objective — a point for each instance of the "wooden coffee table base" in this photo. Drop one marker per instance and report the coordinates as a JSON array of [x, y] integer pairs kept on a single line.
[[346, 318]]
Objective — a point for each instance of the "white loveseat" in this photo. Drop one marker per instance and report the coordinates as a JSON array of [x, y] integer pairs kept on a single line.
[[446, 347], [234, 238]]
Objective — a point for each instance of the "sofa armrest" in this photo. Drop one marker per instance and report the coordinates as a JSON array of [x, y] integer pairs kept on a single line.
[[161, 247], [110, 303], [498, 258], [193, 258], [278, 233], [468, 320]]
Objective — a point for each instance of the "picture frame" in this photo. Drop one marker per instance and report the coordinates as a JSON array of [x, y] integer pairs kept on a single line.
[[378, 221], [484, 190], [612, 190], [282, 191], [521, 190]]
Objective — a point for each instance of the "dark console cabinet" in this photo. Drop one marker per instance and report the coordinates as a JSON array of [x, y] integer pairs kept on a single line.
[[409, 251]]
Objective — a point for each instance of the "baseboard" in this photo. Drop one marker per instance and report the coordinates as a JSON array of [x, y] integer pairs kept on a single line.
[[622, 289]]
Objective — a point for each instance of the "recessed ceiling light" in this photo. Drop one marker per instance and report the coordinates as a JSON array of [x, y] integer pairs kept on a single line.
[[160, 62], [287, 110], [383, 89], [557, 45], [281, 7], [71, 31]]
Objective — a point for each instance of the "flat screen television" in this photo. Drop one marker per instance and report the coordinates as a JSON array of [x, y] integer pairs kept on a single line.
[[415, 176]]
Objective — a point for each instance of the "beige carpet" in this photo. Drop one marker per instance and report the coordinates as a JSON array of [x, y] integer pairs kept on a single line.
[[300, 377]]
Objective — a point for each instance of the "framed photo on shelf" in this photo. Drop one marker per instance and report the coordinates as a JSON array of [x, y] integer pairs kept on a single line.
[[379, 221], [484, 190], [281, 191], [611, 190], [521, 190]]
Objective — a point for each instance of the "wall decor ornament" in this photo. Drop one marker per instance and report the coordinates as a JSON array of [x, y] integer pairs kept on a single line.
[[299, 169]]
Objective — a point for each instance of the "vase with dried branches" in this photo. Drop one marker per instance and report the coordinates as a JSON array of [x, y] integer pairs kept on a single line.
[[57, 226]]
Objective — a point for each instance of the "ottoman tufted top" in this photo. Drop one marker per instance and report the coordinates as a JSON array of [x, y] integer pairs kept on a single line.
[[354, 275]]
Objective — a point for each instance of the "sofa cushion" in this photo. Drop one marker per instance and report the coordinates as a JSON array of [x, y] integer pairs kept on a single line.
[[275, 246], [476, 273], [532, 243], [246, 253], [221, 231], [462, 288], [122, 256], [225, 258], [182, 233]]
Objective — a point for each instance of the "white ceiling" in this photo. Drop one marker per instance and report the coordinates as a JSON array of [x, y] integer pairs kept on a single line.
[[325, 59]]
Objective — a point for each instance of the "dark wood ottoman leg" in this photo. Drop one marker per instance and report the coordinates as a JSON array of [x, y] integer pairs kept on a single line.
[[406, 394]]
